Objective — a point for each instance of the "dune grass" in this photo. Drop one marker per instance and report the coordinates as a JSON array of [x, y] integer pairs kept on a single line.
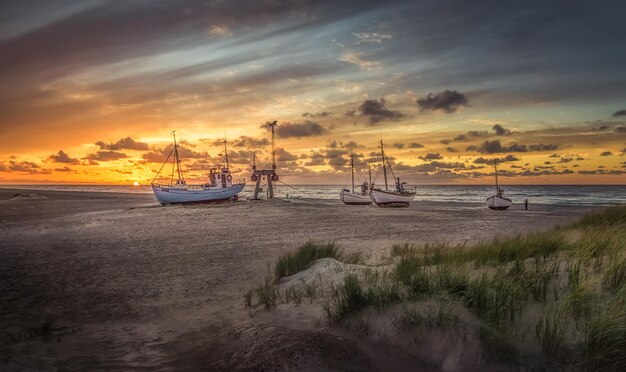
[[568, 284], [560, 293], [302, 258]]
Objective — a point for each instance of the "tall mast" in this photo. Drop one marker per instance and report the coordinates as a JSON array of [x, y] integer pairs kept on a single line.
[[382, 152], [177, 158], [495, 165], [352, 168], [226, 154], [369, 170], [254, 161], [272, 125]]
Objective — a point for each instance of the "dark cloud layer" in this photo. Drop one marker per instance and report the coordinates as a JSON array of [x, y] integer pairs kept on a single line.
[[447, 101], [126, 143], [375, 111], [492, 147], [619, 113], [298, 130], [62, 157]]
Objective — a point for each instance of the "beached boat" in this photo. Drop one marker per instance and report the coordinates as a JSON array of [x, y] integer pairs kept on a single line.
[[386, 198], [219, 189], [350, 197], [498, 201]]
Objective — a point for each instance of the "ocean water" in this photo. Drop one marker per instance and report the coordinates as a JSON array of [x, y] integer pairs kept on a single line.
[[550, 195]]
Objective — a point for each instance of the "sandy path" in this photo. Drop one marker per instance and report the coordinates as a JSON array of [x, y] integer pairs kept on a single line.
[[133, 284]]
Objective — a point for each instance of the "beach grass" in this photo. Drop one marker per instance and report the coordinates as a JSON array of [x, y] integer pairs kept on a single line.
[[302, 258], [560, 294]]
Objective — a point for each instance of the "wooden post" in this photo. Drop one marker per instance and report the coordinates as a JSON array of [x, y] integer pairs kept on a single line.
[[269, 186]]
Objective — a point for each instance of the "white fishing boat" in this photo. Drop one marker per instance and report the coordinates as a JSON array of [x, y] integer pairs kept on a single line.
[[396, 198], [219, 189], [498, 201], [350, 197]]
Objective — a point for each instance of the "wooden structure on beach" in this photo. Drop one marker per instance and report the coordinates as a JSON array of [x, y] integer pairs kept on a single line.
[[269, 174]]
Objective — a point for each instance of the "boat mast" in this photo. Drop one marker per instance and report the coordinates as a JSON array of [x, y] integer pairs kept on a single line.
[[226, 154], [177, 158], [352, 168], [382, 152], [495, 165], [369, 170]]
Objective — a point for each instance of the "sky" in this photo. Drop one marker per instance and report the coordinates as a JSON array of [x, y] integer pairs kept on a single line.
[[91, 90]]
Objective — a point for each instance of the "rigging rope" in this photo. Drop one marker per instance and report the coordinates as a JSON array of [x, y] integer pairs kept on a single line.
[[159, 172]]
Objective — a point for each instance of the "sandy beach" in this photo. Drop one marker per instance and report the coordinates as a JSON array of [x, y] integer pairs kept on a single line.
[[130, 284]]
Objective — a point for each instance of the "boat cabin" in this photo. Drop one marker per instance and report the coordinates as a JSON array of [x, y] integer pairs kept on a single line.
[[219, 179]]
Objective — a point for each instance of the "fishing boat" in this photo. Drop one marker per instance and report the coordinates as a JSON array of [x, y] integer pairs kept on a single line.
[[350, 197], [498, 201], [219, 189], [386, 198]]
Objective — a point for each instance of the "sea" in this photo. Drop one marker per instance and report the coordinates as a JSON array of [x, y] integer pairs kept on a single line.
[[548, 195]]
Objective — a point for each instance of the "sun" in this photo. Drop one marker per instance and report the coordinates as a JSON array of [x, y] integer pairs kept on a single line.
[[136, 183]]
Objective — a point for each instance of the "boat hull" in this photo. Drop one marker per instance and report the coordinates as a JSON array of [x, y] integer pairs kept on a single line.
[[497, 203], [351, 198], [167, 195], [391, 199]]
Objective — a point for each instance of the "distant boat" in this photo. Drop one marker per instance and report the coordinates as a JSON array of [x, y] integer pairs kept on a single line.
[[354, 198], [385, 198], [219, 189], [498, 201]]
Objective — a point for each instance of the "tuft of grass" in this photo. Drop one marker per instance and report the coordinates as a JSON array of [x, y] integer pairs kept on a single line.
[[607, 217], [614, 277], [551, 328], [247, 297], [605, 340], [301, 259], [267, 293], [347, 300]]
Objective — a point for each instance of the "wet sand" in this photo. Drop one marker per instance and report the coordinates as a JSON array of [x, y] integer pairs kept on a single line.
[[133, 285]]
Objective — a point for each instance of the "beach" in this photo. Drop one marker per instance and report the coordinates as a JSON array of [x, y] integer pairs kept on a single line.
[[129, 284]]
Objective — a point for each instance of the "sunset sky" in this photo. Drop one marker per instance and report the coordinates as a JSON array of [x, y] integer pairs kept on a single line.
[[92, 89]]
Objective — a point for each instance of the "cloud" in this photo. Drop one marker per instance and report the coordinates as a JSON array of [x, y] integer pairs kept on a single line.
[[451, 149], [431, 156], [62, 157], [606, 153], [220, 30], [492, 147], [476, 133], [249, 142], [26, 167], [415, 145], [371, 37], [106, 156], [357, 59], [620, 129], [460, 137], [447, 101], [471, 148], [445, 141], [298, 130], [158, 155], [283, 155], [376, 111], [126, 143], [398, 145], [317, 115], [500, 130], [619, 113], [505, 159]]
